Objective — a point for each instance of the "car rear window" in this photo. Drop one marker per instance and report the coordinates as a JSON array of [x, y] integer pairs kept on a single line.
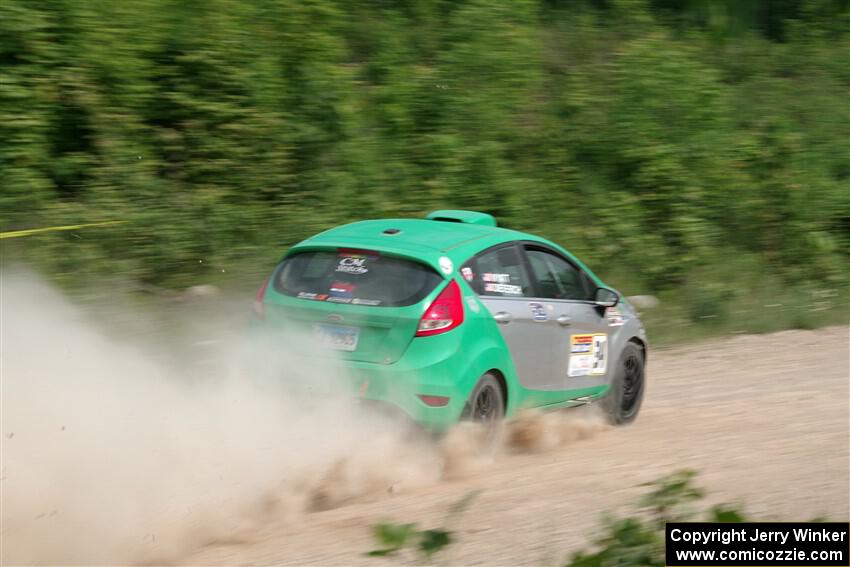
[[356, 277]]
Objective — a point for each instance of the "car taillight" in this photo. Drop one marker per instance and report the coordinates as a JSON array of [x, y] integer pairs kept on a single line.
[[444, 314], [259, 310]]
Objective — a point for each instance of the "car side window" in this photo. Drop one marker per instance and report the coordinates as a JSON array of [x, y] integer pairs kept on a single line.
[[557, 278], [588, 285], [498, 272]]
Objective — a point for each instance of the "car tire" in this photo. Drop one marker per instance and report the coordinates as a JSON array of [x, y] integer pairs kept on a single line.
[[623, 400], [486, 403]]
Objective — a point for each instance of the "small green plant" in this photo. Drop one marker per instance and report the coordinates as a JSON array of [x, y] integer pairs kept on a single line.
[[639, 540], [671, 497], [393, 537]]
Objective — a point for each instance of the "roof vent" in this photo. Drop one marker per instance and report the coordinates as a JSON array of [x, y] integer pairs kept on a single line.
[[392, 231], [466, 217]]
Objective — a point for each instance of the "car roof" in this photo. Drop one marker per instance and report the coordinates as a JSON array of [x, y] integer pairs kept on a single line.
[[417, 237], [430, 234], [423, 239]]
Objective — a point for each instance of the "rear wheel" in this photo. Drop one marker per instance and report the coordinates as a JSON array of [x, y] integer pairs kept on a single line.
[[486, 403], [623, 400]]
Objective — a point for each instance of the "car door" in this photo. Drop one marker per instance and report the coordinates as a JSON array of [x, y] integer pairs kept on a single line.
[[500, 278], [577, 326]]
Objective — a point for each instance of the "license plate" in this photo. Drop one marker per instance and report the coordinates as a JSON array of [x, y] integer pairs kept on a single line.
[[337, 337]]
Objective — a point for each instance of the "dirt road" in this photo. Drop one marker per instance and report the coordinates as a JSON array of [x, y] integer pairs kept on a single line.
[[763, 418]]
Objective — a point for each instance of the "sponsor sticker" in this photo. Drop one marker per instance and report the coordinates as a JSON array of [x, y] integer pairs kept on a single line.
[[313, 296], [467, 273], [446, 265], [503, 288], [538, 311], [352, 264], [579, 365], [496, 278], [600, 354], [615, 316], [342, 289], [581, 344], [588, 355]]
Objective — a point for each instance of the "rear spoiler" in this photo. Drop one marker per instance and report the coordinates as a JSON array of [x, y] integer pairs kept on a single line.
[[467, 217]]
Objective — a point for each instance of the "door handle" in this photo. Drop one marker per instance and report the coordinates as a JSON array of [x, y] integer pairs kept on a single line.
[[503, 317], [564, 320]]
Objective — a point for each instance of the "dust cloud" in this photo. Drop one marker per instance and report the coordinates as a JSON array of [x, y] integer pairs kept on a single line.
[[537, 432], [113, 454]]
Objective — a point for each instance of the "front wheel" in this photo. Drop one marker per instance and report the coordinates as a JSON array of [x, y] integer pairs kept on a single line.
[[623, 399]]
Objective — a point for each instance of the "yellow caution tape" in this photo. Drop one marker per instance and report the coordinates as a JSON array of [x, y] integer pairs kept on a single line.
[[31, 231]]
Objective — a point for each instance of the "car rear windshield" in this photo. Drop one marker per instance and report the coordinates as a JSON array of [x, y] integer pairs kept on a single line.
[[356, 277]]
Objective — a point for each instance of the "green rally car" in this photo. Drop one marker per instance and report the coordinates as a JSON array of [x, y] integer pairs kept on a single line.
[[451, 317]]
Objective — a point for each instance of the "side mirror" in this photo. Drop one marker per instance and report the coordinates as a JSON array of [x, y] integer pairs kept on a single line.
[[605, 297]]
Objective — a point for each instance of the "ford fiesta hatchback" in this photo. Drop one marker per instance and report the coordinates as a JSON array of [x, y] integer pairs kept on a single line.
[[451, 317]]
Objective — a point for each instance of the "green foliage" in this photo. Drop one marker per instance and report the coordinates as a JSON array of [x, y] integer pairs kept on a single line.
[[392, 537], [432, 541], [627, 542], [671, 496], [639, 540], [660, 140], [737, 295], [726, 514]]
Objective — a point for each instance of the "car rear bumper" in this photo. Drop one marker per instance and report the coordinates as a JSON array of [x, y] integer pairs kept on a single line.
[[404, 383], [446, 365]]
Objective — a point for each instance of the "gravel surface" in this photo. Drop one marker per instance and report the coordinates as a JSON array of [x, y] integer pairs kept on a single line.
[[763, 418]]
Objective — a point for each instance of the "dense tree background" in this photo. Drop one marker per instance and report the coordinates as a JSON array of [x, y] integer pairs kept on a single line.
[[692, 147]]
